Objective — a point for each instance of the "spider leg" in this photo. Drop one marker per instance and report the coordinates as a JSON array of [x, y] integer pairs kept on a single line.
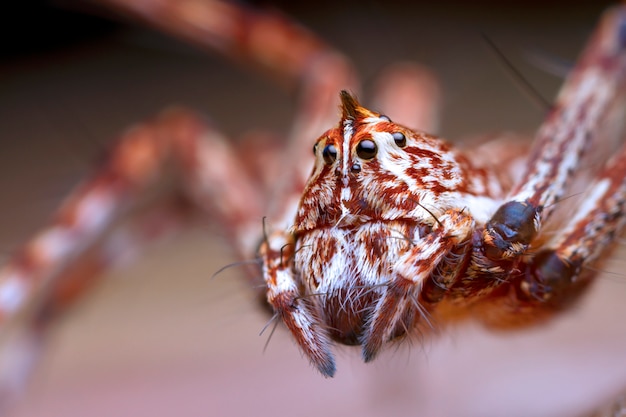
[[410, 95], [283, 49], [283, 294], [147, 186], [264, 39], [555, 277], [585, 102]]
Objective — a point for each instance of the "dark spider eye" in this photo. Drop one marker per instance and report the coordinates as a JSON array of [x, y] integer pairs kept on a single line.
[[366, 149], [315, 148], [385, 118], [399, 138], [329, 154]]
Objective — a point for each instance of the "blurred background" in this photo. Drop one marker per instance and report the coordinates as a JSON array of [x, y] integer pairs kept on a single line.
[[159, 338]]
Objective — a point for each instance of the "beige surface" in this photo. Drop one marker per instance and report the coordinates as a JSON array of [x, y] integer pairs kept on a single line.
[[161, 339]]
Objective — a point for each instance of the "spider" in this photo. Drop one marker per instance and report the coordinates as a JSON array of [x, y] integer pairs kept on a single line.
[[284, 252]]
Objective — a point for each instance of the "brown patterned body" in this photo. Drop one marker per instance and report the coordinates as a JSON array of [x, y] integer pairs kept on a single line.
[[395, 227]]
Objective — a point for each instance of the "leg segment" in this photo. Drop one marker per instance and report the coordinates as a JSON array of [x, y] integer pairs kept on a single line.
[[585, 102], [285, 50], [409, 93], [264, 39], [584, 238], [147, 186], [555, 277]]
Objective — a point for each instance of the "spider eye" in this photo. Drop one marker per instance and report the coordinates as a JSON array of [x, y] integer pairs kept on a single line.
[[329, 154], [366, 149], [315, 148], [399, 138]]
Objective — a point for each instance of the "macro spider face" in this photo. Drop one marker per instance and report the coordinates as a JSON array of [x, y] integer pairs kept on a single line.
[[393, 233], [377, 188]]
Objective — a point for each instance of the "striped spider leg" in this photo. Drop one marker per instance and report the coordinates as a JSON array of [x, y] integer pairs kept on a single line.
[[550, 269]]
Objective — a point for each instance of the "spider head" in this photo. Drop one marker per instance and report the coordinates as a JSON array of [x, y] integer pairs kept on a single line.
[[371, 169], [376, 191]]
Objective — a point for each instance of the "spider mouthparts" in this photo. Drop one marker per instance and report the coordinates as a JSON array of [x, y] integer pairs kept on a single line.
[[392, 318], [372, 345], [303, 324], [369, 352], [326, 365], [319, 354]]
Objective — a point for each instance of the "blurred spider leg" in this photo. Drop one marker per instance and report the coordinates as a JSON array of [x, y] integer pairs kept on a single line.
[[410, 95], [585, 102], [556, 273], [144, 189], [285, 50], [264, 39]]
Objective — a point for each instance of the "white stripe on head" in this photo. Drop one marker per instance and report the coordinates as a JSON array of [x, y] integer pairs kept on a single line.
[[348, 131]]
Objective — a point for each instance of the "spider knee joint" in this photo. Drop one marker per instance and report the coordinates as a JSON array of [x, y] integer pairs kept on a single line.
[[511, 229], [551, 278]]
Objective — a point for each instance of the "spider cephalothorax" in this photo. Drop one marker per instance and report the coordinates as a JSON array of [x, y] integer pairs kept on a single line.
[[382, 213]]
